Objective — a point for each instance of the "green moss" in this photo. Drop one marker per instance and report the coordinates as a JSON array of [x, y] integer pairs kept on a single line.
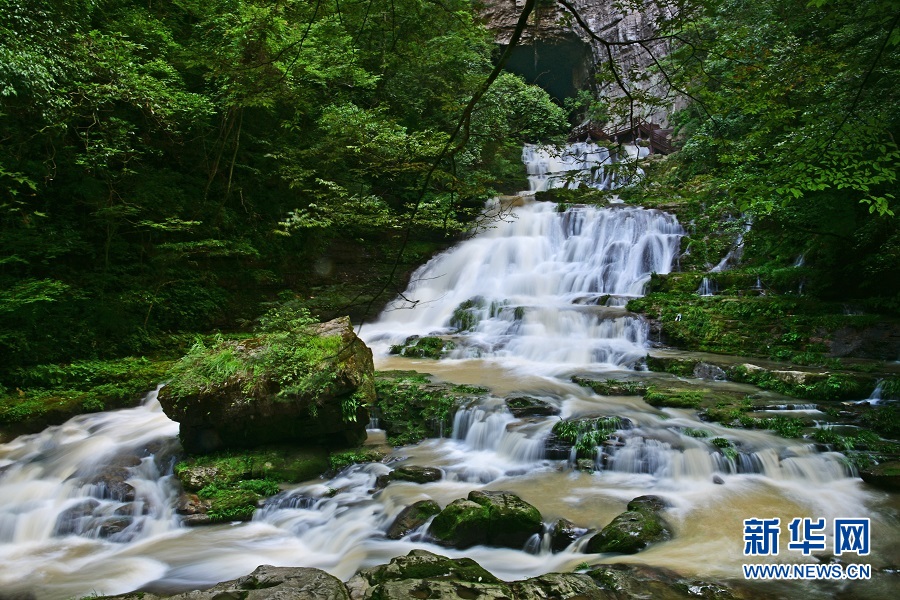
[[612, 387], [683, 399], [278, 463], [423, 347], [342, 460], [586, 434], [50, 394], [412, 408]]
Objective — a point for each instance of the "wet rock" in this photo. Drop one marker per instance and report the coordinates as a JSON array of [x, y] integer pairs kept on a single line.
[[268, 583], [192, 504], [412, 474], [486, 518], [423, 347], [526, 406], [612, 387], [563, 534], [72, 519], [197, 520], [113, 526], [197, 477], [111, 483], [632, 531], [643, 581], [132, 509], [718, 480], [709, 371], [248, 409], [558, 585], [412, 517], [585, 464], [422, 574], [885, 475]]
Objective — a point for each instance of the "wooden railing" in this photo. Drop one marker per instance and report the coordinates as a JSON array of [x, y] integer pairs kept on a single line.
[[643, 132]]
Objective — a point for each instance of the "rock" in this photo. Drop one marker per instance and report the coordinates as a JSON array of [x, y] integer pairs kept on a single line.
[[192, 504], [412, 517], [709, 371], [633, 530], [324, 405], [113, 526], [718, 480], [643, 581], [271, 583], [612, 387], [559, 585], [194, 478], [423, 347], [412, 474], [411, 407], [486, 518], [563, 534], [885, 475], [585, 464], [526, 406], [111, 483], [72, 520], [421, 574]]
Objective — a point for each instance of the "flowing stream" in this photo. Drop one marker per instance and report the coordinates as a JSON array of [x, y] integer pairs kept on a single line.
[[544, 294]]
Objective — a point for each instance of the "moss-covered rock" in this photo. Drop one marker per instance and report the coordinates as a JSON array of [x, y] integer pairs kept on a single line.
[[885, 475], [632, 531], [423, 347], [422, 574], [411, 407], [310, 386], [411, 474], [526, 406], [583, 434], [612, 387], [486, 518], [412, 517], [277, 463]]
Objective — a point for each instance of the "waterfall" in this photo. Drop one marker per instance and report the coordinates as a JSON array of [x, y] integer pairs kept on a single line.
[[545, 287], [581, 163], [707, 287]]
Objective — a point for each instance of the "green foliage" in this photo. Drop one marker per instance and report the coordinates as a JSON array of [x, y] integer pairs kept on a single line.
[[685, 399], [586, 434], [342, 460], [411, 408]]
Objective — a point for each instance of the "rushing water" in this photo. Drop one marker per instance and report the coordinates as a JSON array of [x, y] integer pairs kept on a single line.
[[88, 506]]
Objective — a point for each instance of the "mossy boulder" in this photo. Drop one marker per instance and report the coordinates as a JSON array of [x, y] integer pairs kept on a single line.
[[423, 347], [885, 475], [612, 387], [412, 517], [280, 463], [526, 406], [310, 386], [635, 529], [411, 474], [422, 574], [411, 406], [486, 518]]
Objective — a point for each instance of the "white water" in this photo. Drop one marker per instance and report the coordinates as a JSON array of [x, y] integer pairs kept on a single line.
[[59, 538], [581, 163], [536, 282]]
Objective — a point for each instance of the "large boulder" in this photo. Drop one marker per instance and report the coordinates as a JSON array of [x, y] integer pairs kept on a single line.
[[633, 530], [309, 386], [411, 518], [486, 518]]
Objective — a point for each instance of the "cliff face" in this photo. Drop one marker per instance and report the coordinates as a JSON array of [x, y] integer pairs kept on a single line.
[[557, 52]]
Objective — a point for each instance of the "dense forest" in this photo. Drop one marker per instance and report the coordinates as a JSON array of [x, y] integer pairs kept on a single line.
[[174, 167], [271, 293]]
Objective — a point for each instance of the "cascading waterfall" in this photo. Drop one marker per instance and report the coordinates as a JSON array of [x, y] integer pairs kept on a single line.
[[89, 506], [581, 163], [542, 287]]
